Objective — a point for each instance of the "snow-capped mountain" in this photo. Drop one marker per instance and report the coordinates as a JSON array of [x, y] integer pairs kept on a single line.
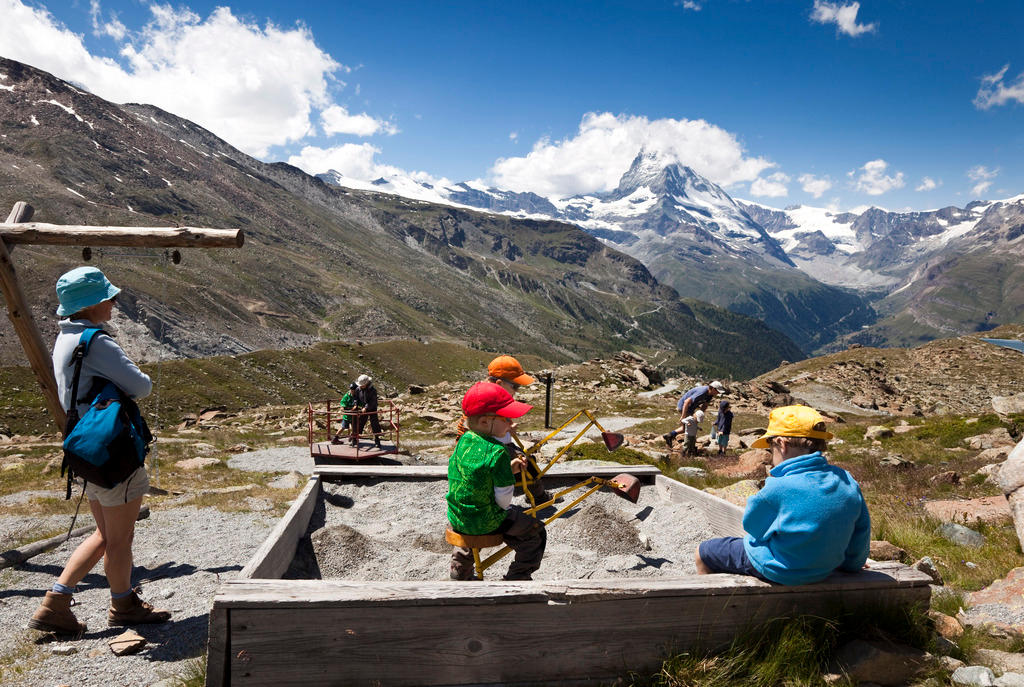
[[818, 276], [878, 248], [689, 233]]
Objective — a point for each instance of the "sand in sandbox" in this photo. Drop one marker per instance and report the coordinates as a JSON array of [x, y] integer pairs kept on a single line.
[[394, 530]]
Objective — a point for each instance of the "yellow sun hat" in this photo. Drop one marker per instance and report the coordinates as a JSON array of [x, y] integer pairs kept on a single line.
[[793, 421]]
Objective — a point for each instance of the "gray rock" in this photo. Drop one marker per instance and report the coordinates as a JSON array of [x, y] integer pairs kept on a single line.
[[880, 662], [128, 642], [960, 535], [1008, 405], [927, 566], [289, 480], [993, 439], [897, 462], [693, 472], [63, 649], [1010, 680], [974, 676], [1011, 474], [878, 432], [1000, 661], [196, 463]]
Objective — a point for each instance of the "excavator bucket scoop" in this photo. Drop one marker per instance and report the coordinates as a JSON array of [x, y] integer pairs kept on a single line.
[[628, 487], [612, 440]]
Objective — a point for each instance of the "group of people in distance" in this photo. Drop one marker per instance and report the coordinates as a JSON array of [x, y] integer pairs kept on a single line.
[[692, 406], [362, 398], [808, 520]]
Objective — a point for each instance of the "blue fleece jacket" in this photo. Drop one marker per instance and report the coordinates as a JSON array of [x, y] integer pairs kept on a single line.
[[808, 520]]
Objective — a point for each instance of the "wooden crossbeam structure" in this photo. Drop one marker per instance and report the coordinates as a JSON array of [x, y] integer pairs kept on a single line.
[[19, 230]]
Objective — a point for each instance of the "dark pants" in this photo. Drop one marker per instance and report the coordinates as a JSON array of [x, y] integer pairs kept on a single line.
[[523, 533], [360, 423], [727, 555]]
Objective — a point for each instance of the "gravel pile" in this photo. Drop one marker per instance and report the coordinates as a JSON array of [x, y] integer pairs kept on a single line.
[[181, 556], [355, 535]]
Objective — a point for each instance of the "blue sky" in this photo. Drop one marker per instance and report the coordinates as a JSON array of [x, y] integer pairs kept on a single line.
[[895, 103]]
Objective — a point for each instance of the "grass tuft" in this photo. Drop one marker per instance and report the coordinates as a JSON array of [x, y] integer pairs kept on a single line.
[[790, 651]]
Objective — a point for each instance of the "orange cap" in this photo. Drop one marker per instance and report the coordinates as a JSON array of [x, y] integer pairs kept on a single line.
[[508, 368]]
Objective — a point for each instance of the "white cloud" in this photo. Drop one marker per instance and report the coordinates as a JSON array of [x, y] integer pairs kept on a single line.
[[843, 16], [816, 186], [351, 159], [983, 176], [604, 146], [928, 184], [873, 181], [113, 28], [254, 86], [513, 136], [993, 91], [689, 5], [774, 185], [336, 120], [357, 161]]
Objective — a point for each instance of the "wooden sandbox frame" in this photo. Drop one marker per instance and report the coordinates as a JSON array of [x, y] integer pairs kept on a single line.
[[269, 631]]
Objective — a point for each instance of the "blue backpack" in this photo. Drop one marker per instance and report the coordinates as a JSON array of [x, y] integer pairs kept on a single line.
[[110, 441]]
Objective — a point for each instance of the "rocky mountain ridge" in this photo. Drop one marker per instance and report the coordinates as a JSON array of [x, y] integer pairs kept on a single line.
[[320, 262]]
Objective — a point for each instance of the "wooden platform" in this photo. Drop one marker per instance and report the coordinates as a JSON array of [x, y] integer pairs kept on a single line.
[[318, 632], [327, 453]]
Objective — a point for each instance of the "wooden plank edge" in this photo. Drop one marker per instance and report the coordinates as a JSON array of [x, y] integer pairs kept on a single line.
[[276, 552], [441, 471], [725, 518], [266, 593], [218, 645]]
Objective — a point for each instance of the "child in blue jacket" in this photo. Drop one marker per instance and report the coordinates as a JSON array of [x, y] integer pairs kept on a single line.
[[808, 520]]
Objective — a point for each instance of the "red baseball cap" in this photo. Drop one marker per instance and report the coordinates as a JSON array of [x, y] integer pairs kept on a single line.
[[485, 398], [508, 368]]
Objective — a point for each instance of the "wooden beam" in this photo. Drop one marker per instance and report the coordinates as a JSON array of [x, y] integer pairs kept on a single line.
[[567, 470], [20, 316], [725, 518], [218, 648], [274, 556], [37, 233], [299, 632]]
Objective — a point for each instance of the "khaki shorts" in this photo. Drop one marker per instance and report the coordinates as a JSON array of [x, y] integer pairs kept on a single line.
[[132, 488]]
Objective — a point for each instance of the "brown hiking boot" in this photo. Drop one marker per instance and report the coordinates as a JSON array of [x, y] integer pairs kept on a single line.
[[131, 610], [54, 615]]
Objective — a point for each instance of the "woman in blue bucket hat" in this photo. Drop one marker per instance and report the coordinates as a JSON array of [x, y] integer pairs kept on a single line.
[[87, 301]]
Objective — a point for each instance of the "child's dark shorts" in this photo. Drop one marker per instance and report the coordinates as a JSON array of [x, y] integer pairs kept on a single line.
[[727, 555]]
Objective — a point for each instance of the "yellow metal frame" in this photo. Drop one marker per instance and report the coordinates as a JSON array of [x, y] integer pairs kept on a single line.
[[592, 484], [524, 479]]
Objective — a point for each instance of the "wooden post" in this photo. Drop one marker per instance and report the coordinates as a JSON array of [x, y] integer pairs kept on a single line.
[[17, 230], [21, 317]]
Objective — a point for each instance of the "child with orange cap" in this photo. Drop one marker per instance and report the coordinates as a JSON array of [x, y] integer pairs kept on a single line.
[[808, 520], [508, 373], [481, 483]]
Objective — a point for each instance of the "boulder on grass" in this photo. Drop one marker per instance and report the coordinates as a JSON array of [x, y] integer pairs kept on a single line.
[[877, 432], [751, 465], [880, 662], [961, 536], [990, 509], [882, 550]]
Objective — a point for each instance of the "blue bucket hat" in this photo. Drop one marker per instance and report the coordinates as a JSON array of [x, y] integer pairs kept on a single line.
[[82, 287]]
